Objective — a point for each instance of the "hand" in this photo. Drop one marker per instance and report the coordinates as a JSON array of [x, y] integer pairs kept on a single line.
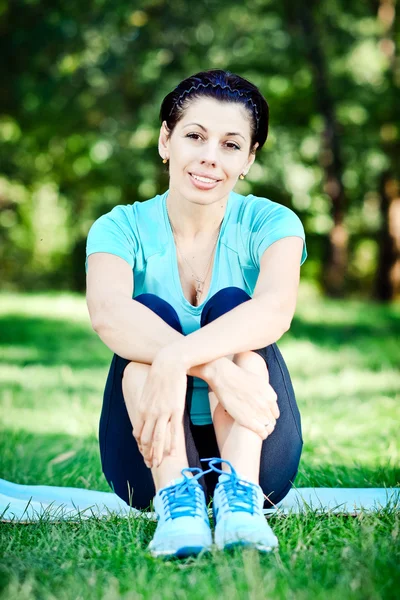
[[160, 410], [247, 397]]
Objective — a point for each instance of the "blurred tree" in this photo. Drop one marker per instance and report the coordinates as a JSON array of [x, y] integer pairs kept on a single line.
[[82, 87], [388, 272], [334, 265]]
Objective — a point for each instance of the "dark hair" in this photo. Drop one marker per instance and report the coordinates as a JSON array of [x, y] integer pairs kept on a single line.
[[224, 86]]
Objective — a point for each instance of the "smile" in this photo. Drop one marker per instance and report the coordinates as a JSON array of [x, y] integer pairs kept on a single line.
[[203, 179]]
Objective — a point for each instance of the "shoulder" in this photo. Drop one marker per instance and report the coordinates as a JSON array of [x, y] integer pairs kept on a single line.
[[260, 210], [120, 214], [128, 215]]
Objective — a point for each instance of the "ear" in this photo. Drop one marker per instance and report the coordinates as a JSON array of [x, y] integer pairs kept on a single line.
[[251, 159], [163, 140]]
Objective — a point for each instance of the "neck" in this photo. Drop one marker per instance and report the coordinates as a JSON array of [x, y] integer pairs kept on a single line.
[[194, 221]]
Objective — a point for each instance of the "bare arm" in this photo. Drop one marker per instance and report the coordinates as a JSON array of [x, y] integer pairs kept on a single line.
[[128, 328], [259, 322]]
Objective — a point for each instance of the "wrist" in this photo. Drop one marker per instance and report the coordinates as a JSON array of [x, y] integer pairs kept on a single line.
[[170, 356], [209, 372]]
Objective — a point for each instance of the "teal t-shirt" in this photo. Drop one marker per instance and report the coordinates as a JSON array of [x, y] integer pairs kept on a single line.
[[140, 233]]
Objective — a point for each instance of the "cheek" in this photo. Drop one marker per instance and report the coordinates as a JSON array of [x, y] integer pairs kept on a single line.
[[234, 168], [185, 158]]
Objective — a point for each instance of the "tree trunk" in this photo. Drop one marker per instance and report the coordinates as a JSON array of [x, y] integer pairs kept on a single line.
[[335, 264], [387, 283]]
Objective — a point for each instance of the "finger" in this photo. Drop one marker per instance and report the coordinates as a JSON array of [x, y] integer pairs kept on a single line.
[[146, 440], [158, 445], [175, 426], [265, 422], [138, 427], [138, 445], [275, 410], [270, 420], [273, 403], [167, 443], [264, 414], [257, 426], [271, 425], [271, 412], [267, 415]]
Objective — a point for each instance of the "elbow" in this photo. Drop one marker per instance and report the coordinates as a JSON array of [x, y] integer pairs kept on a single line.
[[97, 324], [98, 318], [287, 318], [284, 318], [286, 324], [103, 314]]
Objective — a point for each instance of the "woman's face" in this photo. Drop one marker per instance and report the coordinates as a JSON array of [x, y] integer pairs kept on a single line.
[[211, 142]]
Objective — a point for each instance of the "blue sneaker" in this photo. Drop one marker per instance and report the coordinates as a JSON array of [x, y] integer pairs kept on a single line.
[[183, 527], [238, 512]]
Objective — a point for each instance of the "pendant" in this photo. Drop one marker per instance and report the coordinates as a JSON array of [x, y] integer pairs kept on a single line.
[[199, 289]]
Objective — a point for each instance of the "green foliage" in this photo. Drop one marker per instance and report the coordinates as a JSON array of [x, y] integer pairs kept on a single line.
[[82, 87]]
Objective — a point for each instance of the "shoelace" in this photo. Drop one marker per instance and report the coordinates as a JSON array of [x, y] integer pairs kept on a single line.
[[184, 499], [240, 495]]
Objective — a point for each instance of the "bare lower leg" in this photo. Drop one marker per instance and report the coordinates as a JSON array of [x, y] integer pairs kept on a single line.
[[171, 466], [238, 444], [134, 378]]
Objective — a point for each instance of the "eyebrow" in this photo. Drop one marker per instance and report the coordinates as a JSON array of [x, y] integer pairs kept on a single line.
[[204, 129]]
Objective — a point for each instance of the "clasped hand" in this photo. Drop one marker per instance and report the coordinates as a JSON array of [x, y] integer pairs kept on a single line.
[[160, 410], [246, 396]]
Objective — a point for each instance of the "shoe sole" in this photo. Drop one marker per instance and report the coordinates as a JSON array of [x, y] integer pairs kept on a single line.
[[231, 546], [184, 552]]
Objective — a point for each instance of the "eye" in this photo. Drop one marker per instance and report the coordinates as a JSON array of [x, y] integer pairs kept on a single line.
[[233, 146], [193, 136]]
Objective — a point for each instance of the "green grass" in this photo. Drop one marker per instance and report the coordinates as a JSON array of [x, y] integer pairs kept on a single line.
[[343, 358]]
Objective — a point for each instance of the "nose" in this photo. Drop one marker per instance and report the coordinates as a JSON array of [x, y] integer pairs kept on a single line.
[[209, 154]]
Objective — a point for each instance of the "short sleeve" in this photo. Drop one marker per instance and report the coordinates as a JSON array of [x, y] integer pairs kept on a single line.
[[268, 222], [114, 233]]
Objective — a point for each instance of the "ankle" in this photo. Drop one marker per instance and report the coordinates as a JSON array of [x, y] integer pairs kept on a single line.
[[170, 469], [243, 471]]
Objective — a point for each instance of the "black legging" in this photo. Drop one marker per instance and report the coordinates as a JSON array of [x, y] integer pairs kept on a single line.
[[123, 464]]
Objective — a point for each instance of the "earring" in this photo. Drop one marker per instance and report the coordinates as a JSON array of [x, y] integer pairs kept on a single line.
[[241, 176], [165, 160]]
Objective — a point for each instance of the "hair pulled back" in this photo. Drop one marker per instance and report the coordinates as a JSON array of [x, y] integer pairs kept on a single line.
[[223, 86]]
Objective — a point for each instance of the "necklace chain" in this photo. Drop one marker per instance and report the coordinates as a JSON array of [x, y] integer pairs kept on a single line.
[[200, 282]]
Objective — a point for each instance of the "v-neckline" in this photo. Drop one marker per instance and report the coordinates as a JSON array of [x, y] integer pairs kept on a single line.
[[174, 257]]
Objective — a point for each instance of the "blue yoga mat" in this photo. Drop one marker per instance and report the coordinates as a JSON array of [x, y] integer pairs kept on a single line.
[[30, 503]]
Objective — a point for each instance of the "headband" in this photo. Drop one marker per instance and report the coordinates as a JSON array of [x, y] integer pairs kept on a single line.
[[244, 93]]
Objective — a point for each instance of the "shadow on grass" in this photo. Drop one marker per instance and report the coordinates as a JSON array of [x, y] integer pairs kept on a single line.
[[53, 342], [51, 459], [66, 460], [333, 334], [344, 476]]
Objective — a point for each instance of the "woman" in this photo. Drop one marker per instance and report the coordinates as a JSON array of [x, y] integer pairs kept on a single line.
[[191, 289]]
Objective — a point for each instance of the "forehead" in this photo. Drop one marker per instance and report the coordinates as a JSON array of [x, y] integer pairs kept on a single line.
[[217, 115]]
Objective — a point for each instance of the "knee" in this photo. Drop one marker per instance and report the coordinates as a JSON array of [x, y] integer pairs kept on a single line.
[[222, 302], [232, 294], [274, 497], [251, 361], [135, 374], [135, 497], [162, 308]]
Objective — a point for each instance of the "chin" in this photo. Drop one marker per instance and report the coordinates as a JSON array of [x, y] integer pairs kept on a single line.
[[219, 191]]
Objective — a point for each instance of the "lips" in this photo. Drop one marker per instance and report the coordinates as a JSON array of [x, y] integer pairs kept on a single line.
[[201, 184], [204, 176]]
